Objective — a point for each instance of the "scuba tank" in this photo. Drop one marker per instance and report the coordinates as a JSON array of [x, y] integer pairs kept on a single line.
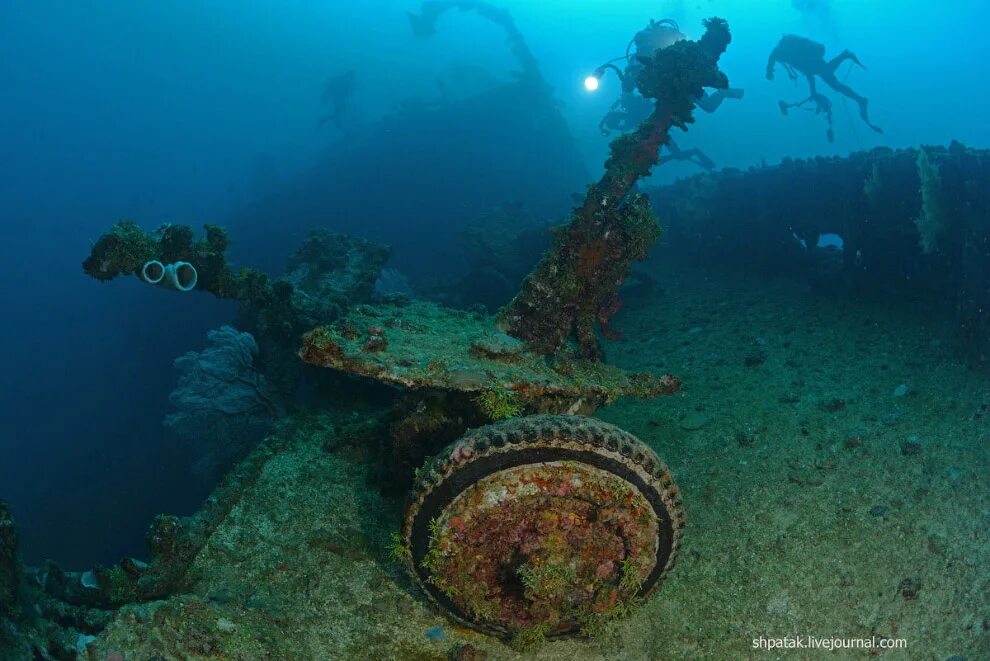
[[794, 46], [656, 36]]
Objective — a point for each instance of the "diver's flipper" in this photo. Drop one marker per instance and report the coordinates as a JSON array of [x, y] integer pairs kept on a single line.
[[701, 159], [865, 117], [847, 54]]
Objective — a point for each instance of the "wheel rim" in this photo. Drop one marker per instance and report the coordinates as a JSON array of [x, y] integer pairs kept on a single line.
[[543, 521]]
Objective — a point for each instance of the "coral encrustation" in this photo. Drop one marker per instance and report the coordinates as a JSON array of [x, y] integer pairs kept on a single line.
[[551, 545]]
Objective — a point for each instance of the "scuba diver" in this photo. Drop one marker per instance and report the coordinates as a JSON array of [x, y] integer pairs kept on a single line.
[[808, 57], [336, 93], [631, 108]]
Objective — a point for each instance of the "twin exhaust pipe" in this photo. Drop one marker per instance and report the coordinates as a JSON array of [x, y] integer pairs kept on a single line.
[[180, 276]]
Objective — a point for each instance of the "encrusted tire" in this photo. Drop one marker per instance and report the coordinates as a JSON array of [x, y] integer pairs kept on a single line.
[[544, 523]]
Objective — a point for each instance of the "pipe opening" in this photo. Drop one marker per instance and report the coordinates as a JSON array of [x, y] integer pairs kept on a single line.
[[184, 276], [152, 272]]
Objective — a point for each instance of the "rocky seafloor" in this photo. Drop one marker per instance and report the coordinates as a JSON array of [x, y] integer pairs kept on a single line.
[[832, 457]]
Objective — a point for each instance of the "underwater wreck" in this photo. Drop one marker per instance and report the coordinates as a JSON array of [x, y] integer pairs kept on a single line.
[[528, 520], [449, 131], [912, 225]]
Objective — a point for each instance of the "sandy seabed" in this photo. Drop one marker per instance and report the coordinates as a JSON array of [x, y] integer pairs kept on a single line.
[[833, 459]]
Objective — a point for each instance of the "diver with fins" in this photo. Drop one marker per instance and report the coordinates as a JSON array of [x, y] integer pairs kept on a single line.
[[799, 54], [336, 93], [631, 108]]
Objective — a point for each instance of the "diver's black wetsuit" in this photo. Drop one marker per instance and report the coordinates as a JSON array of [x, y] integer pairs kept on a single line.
[[336, 93], [631, 108], [808, 57]]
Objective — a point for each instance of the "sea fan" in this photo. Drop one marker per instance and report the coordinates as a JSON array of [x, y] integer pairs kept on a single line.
[[224, 403]]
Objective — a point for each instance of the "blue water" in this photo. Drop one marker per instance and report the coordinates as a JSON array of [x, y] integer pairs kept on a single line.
[[208, 112]]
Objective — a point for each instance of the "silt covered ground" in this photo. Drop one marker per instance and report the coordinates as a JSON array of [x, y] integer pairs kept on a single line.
[[832, 457]]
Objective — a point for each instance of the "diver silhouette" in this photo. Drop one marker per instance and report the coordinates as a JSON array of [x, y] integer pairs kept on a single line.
[[799, 54], [336, 93], [631, 108]]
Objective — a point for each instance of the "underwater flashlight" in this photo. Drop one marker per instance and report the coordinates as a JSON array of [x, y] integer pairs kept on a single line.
[[592, 82]]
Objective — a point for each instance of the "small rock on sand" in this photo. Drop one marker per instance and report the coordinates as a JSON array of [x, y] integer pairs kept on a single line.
[[695, 421]]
